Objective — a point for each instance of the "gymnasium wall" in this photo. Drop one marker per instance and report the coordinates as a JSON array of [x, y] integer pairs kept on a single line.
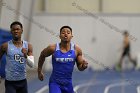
[[97, 6], [16, 10], [100, 38], [97, 35], [7, 16]]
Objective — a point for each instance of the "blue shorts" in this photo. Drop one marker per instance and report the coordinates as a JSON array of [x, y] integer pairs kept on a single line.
[[59, 88], [16, 86]]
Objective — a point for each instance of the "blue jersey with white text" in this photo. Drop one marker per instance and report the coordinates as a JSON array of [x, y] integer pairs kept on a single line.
[[15, 62], [63, 64]]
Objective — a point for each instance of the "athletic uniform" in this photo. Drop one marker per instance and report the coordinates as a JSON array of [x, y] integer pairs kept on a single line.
[[15, 81], [126, 50], [63, 64]]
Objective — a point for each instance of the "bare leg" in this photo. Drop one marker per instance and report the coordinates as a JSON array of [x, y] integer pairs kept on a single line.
[[132, 60], [119, 66], [121, 61]]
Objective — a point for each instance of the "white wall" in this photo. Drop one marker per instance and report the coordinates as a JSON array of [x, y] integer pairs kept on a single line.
[[97, 39], [121, 6], [16, 10], [26, 10], [7, 13], [66, 6]]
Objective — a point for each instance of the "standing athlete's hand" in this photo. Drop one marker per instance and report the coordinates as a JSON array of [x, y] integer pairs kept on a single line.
[[40, 76]]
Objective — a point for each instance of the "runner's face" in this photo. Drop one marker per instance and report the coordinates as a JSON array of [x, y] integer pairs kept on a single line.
[[16, 31], [66, 34]]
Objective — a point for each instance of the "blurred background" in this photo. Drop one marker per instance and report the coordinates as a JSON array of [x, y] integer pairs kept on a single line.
[[97, 27]]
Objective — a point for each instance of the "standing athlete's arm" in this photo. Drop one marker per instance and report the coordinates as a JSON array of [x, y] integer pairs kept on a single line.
[[3, 49], [81, 63], [45, 53]]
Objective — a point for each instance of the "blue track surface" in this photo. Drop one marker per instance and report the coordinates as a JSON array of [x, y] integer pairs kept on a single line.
[[97, 82]]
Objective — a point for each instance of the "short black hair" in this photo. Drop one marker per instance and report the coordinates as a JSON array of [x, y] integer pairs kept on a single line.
[[125, 32], [16, 23], [65, 27]]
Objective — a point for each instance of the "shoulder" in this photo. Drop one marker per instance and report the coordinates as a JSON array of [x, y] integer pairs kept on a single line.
[[29, 44], [50, 48], [26, 43], [4, 46], [52, 45], [126, 39], [78, 50]]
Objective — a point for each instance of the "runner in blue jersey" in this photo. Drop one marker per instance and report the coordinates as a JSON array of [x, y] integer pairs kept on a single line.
[[18, 54], [64, 56]]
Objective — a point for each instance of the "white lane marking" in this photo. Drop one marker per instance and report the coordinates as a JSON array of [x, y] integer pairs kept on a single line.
[[138, 89], [77, 87], [107, 88], [89, 83]]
